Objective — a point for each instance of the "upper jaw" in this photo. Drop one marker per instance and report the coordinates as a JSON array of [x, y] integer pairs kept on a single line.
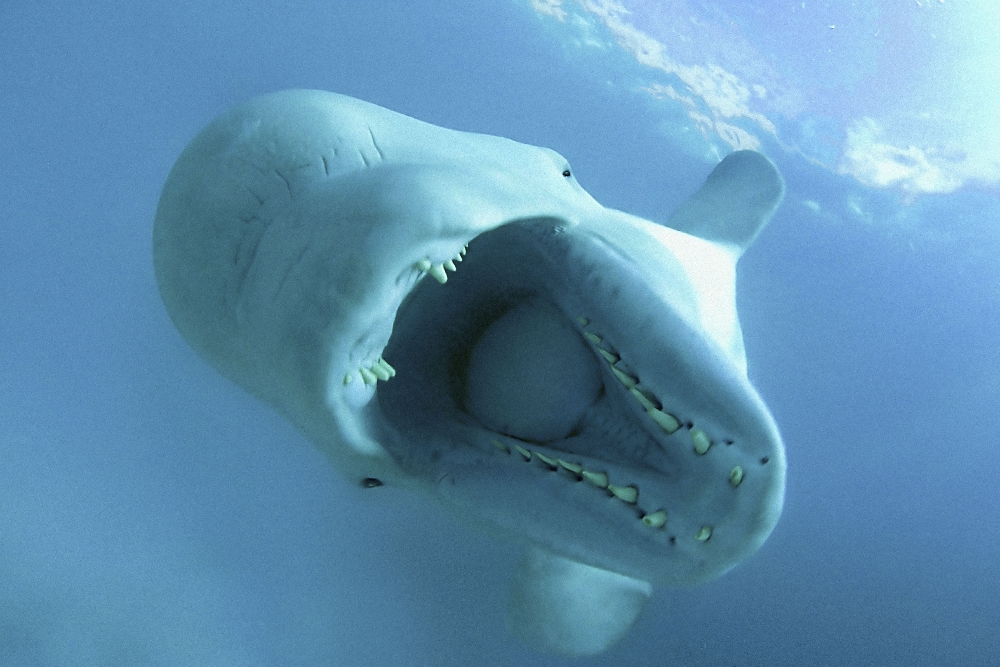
[[676, 431]]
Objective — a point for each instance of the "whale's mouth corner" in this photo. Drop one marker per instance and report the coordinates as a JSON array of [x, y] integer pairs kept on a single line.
[[515, 389]]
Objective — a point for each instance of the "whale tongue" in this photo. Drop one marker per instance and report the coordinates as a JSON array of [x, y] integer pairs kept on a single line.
[[530, 375]]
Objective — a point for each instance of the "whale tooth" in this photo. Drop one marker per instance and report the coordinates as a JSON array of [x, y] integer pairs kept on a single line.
[[380, 372], [641, 397], [610, 357], [572, 467], [367, 375], [348, 378], [736, 476], [624, 377], [656, 519], [593, 338], [450, 265], [526, 453], [464, 249], [457, 257], [389, 369], [437, 270], [664, 420], [629, 494], [704, 533], [547, 460], [423, 265], [701, 441], [502, 447], [598, 479], [583, 321]]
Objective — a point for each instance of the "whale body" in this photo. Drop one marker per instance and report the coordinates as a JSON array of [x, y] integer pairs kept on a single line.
[[452, 313]]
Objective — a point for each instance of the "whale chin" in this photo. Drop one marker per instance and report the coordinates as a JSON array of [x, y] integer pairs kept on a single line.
[[452, 313]]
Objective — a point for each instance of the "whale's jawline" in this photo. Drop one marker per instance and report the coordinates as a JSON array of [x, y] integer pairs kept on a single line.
[[585, 477]]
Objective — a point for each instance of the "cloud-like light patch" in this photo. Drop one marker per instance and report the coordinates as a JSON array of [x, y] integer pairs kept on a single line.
[[706, 122], [940, 130], [713, 97], [549, 8], [918, 117], [877, 163]]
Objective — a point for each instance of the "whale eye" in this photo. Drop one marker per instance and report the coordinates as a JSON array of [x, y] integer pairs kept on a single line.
[[566, 173]]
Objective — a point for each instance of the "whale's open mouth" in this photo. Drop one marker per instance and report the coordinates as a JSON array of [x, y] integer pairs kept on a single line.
[[548, 392]]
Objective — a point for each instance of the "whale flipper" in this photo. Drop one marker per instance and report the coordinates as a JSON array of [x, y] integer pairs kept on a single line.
[[562, 606], [735, 202]]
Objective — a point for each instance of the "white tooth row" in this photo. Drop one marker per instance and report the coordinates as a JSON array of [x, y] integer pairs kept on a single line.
[[627, 494], [380, 370], [438, 270], [666, 421]]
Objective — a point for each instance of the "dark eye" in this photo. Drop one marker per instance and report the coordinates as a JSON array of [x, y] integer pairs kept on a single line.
[[566, 173]]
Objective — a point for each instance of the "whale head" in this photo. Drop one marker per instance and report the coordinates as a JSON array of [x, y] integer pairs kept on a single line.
[[452, 313]]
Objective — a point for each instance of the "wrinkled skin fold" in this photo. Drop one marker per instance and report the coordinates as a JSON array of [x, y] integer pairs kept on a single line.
[[453, 314]]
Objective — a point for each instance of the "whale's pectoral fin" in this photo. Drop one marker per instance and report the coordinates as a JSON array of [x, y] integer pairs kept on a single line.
[[558, 605], [735, 202]]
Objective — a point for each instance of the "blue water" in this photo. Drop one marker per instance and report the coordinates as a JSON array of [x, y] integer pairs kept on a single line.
[[151, 513]]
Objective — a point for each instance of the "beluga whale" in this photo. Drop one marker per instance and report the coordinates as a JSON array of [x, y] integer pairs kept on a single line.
[[452, 313]]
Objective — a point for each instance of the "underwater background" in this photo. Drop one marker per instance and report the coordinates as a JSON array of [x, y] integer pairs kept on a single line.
[[152, 513]]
